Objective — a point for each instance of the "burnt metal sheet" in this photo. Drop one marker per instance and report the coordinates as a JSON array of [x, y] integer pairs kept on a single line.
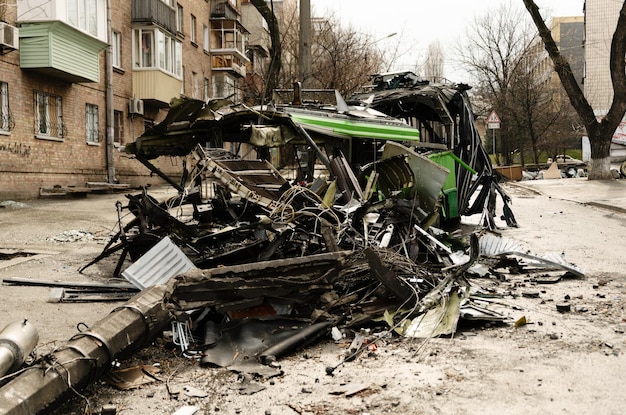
[[247, 345], [292, 279]]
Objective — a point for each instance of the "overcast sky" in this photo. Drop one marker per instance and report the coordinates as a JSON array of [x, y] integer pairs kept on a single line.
[[420, 22]]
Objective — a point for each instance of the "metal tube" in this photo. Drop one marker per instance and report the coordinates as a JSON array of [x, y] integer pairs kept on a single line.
[[86, 356], [17, 340]]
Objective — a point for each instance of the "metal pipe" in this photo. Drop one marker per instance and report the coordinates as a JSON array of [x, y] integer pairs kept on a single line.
[[86, 356], [17, 340], [110, 131]]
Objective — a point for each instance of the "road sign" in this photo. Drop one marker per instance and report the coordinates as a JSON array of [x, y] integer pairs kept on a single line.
[[493, 121]]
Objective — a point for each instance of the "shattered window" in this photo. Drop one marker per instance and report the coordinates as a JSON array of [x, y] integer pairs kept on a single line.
[[48, 115], [91, 123]]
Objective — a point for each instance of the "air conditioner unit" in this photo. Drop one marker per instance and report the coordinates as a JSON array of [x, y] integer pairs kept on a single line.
[[135, 106], [9, 36]]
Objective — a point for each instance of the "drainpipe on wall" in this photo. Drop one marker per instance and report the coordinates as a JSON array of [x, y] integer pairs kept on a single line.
[[110, 132]]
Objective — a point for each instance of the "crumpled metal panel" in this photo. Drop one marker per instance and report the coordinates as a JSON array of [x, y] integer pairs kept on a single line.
[[162, 262], [496, 246]]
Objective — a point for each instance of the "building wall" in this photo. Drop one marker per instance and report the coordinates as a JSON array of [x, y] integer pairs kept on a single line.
[[196, 57], [569, 33], [29, 163], [600, 21]]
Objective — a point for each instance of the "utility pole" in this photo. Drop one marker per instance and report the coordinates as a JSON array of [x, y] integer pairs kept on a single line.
[[305, 42]]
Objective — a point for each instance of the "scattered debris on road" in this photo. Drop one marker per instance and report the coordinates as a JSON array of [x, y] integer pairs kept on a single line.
[[249, 262]]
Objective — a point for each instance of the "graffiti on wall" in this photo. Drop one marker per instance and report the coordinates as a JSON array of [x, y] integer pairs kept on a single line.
[[19, 149]]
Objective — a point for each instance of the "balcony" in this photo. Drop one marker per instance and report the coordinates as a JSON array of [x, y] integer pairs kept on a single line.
[[154, 12], [59, 50], [228, 63], [224, 10], [155, 87]]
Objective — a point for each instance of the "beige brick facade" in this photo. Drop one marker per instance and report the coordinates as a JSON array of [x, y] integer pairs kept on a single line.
[[29, 162]]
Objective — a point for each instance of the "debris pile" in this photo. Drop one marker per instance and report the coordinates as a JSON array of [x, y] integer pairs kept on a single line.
[[250, 258]]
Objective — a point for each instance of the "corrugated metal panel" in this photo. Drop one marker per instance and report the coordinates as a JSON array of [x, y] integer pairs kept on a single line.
[[162, 262]]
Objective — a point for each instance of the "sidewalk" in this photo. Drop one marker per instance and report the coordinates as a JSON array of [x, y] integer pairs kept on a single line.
[[608, 194]]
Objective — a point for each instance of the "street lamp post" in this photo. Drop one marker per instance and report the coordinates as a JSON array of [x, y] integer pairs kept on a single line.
[[373, 43]]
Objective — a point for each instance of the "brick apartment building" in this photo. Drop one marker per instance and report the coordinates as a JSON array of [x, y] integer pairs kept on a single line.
[[62, 88]]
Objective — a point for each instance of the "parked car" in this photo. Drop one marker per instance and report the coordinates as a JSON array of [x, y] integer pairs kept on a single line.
[[563, 160]]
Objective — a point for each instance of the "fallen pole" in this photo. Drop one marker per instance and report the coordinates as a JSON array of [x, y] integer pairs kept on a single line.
[[57, 376]]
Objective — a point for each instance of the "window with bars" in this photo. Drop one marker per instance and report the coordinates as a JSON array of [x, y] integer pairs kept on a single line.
[[6, 120], [91, 123], [48, 115]]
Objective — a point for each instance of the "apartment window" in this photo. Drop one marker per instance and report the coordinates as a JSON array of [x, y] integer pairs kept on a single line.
[[194, 84], [169, 3], [118, 127], [224, 87], [116, 48], [153, 49], [205, 89], [205, 37], [82, 14], [91, 123], [6, 121], [179, 18], [48, 115], [192, 30]]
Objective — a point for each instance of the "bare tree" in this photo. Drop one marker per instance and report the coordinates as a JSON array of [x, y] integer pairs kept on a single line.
[[275, 48], [343, 58], [500, 54], [531, 109], [493, 51], [600, 132]]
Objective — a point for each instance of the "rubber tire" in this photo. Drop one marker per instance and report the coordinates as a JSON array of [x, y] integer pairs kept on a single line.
[[622, 169]]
